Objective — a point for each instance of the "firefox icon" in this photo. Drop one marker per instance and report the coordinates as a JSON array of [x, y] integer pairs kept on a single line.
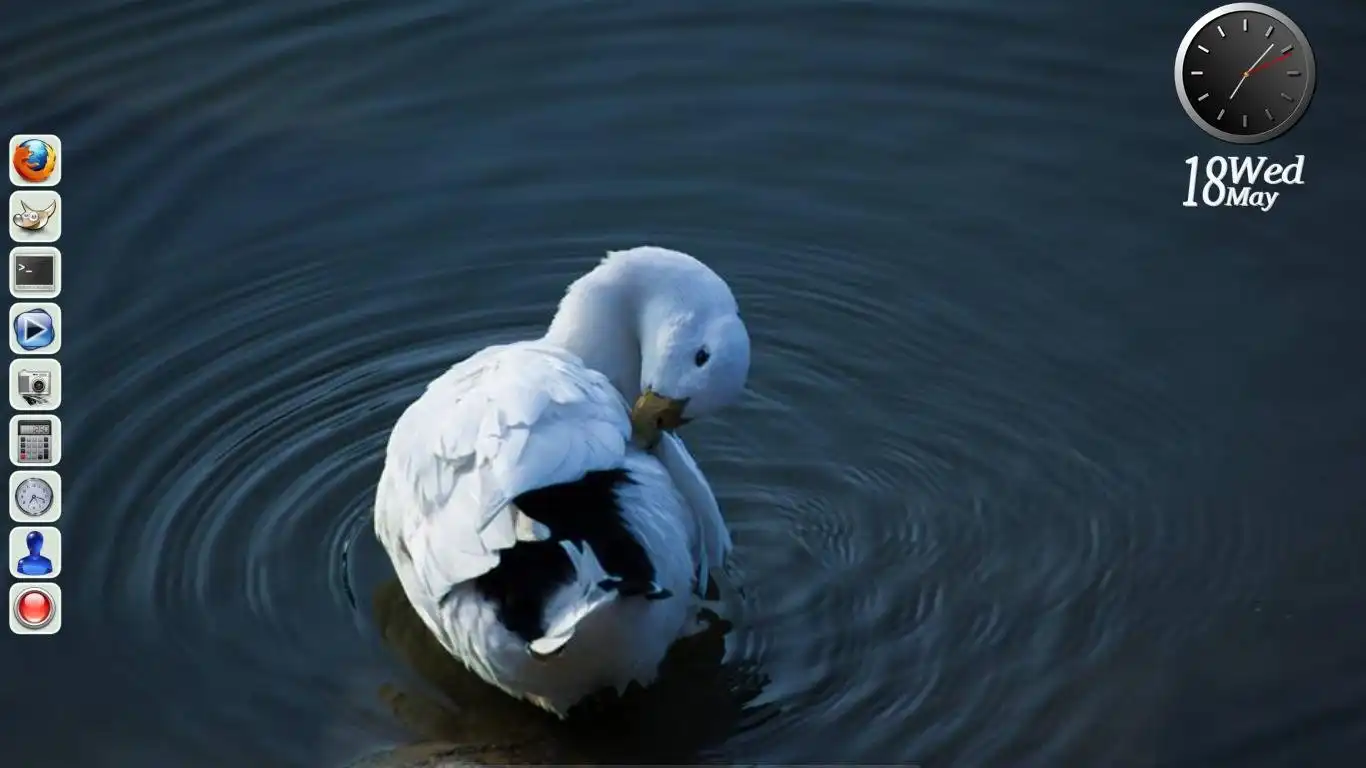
[[34, 160]]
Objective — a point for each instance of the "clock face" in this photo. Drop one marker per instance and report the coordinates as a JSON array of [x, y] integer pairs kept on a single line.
[[1245, 73], [34, 496]]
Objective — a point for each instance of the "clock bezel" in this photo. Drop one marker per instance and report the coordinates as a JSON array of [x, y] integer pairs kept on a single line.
[[1301, 42]]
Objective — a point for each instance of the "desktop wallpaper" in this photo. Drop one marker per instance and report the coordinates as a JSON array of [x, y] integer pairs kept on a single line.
[[1036, 465]]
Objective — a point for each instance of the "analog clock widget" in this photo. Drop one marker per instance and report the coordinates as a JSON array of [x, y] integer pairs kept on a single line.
[[35, 495], [1245, 73]]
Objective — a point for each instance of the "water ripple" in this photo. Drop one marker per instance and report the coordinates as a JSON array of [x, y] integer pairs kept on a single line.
[[871, 548]]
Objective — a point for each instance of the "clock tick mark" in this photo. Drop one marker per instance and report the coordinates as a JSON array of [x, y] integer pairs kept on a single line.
[[1268, 114], [1244, 25], [1293, 73], [1202, 48], [1287, 49], [1219, 116], [1244, 121], [1202, 98], [1221, 31], [1196, 72], [1287, 97], [1269, 30]]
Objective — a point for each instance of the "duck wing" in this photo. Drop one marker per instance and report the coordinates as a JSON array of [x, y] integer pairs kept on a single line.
[[510, 419], [712, 542]]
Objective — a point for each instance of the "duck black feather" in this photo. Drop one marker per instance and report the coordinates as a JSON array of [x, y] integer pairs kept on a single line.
[[586, 511]]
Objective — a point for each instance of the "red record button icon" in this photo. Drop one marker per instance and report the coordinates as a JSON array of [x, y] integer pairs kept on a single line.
[[34, 609]]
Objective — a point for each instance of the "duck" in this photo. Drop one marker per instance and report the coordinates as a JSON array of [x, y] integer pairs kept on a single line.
[[544, 518]]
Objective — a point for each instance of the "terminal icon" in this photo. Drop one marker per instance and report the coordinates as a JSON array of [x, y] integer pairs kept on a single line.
[[35, 272]]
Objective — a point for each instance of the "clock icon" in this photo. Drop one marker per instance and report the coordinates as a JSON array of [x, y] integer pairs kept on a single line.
[[1245, 73], [33, 496]]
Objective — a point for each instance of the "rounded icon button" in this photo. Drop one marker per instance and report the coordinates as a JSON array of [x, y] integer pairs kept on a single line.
[[34, 160], [35, 328], [34, 608]]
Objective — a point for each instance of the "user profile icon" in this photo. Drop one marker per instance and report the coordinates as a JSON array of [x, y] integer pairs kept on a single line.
[[35, 552]]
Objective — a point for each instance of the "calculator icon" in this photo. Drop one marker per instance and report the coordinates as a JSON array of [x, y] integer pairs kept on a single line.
[[35, 441]]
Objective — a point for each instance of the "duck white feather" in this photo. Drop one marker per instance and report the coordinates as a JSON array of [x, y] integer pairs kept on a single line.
[[514, 420]]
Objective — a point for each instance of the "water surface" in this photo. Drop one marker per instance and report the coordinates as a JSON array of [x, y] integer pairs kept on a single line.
[[1036, 467]]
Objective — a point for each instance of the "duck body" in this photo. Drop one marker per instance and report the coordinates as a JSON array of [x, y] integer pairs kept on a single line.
[[546, 523], [537, 543]]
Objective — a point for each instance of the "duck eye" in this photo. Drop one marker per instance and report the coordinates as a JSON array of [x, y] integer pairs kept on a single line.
[[701, 357]]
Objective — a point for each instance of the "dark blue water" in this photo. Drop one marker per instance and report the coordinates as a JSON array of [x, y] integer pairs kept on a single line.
[[1037, 467]]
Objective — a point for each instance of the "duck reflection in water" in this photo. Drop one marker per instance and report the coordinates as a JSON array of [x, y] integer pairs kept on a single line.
[[35, 564], [696, 703]]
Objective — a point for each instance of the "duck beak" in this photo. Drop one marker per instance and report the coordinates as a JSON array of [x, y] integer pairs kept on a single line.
[[654, 414]]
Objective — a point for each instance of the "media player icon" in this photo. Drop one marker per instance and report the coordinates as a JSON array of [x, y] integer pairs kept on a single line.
[[34, 328]]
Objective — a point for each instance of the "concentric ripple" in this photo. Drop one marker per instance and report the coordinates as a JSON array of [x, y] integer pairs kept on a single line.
[[1006, 456]]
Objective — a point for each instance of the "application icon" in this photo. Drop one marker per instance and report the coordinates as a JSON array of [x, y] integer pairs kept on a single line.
[[35, 216], [35, 496], [35, 328], [35, 384], [35, 160], [35, 441], [35, 609], [35, 553], [33, 219], [35, 272]]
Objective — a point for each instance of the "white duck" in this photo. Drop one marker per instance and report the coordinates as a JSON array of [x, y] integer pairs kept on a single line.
[[553, 539]]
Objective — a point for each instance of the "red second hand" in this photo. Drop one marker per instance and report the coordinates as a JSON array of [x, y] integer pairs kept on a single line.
[[1266, 64]]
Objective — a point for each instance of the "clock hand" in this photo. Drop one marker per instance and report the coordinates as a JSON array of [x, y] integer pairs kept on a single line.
[[1248, 71], [1266, 64]]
